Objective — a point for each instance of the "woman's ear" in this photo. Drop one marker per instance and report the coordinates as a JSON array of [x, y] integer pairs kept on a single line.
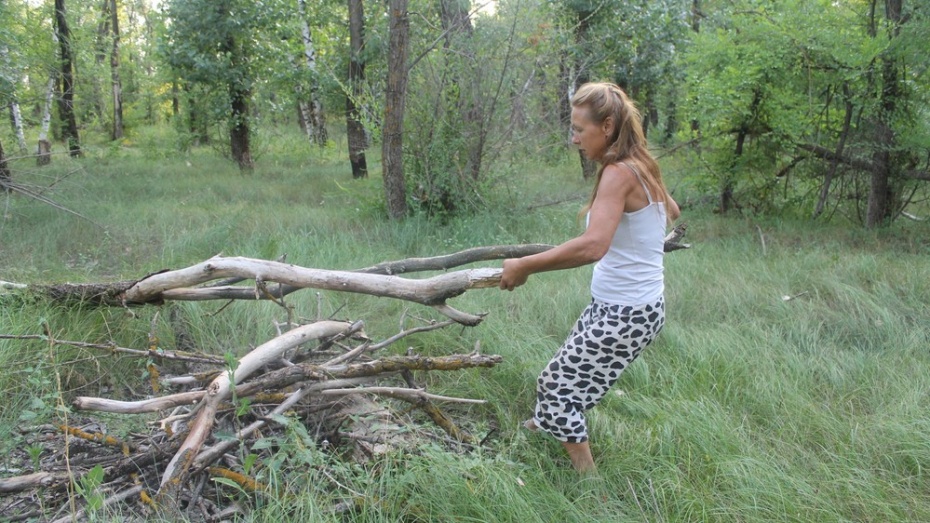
[[608, 126]]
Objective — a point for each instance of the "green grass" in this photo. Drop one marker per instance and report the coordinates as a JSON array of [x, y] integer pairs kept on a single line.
[[749, 408]]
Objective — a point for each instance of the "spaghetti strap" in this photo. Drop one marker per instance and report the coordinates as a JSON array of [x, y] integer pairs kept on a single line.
[[641, 182]]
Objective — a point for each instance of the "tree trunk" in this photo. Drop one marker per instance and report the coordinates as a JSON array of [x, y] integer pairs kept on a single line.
[[196, 120], [239, 98], [69, 129], [459, 33], [671, 116], [44, 150], [395, 189], [728, 182], [355, 131], [652, 112], [100, 55], [239, 128], [844, 133], [882, 198], [175, 100], [6, 177], [588, 167], [726, 189], [117, 132], [696, 16], [17, 117], [313, 117], [566, 90]]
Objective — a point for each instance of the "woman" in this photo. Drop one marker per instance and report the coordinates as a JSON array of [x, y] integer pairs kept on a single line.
[[627, 216]]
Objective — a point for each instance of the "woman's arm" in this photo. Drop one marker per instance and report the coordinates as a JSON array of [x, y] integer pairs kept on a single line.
[[615, 186], [673, 211]]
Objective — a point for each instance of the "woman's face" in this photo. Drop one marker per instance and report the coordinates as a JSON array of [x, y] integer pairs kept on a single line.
[[590, 137]]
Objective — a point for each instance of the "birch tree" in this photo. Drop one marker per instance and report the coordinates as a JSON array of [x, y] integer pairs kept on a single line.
[[311, 107], [9, 82], [44, 148]]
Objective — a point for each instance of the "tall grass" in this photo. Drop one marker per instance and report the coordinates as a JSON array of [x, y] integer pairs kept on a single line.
[[790, 383]]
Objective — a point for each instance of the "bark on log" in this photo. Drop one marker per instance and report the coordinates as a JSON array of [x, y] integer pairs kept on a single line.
[[449, 261], [116, 498], [305, 371], [286, 376], [179, 284], [137, 407], [430, 291], [28, 481], [178, 469]]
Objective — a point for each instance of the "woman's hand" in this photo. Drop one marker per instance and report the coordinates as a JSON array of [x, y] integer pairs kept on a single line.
[[514, 274]]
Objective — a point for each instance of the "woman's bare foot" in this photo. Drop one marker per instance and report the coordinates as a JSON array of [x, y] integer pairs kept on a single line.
[[580, 454]]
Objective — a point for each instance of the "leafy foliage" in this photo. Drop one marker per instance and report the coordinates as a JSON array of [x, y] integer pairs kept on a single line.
[[771, 82]]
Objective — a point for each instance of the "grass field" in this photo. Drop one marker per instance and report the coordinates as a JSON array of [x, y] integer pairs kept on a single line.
[[749, 408]]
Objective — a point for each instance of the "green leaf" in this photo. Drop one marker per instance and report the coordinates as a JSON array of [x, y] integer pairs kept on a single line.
[[229, 483]]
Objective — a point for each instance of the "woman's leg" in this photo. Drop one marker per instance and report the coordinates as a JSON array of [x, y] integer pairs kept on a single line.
[[605, 340]]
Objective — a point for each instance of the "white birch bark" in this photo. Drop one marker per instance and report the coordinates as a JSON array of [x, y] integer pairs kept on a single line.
[[47, 108], [11, 75], [44, 148], [312, 109], [18, 126]]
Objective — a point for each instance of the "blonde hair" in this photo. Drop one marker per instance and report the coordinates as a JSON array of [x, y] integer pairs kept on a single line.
[[628, 143]]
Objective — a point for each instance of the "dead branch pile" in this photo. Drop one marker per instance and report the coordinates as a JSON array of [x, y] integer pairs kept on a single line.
[[220, 417]]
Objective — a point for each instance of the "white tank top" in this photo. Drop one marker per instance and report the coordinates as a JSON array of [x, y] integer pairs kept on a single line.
[[631, 271]]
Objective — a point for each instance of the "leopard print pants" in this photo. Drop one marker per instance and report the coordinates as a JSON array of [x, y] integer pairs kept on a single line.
[[606, 339]]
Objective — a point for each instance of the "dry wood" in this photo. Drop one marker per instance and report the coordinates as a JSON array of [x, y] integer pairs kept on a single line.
[[297, 373], [411, 395], [176, 284], [376, 280], [247, 483], [444, 422], [137, 407], [211, 454], [97, 437], [154, 353], [116, 498], [177, 470], [307, 371], [449, 261], [422, 400], [28, 481]]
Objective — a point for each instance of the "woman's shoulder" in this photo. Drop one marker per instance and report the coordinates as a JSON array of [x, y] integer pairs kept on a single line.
[[621, 174], [623, 180]]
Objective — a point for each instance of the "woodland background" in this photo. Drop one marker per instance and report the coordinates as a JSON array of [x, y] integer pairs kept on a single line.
[[789, 385], [808, 108]]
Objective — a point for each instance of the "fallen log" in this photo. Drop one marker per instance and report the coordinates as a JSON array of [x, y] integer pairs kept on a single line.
[[193, 283], [28, 481]]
